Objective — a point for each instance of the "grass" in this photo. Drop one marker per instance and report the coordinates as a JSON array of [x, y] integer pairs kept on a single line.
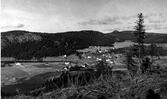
[[119, 86], [27, 85], [8, 73]]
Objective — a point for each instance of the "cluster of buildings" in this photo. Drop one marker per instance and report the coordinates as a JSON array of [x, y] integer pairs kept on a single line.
[[98, 53]]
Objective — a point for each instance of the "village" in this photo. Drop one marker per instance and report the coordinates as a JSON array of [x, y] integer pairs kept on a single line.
[[89, 57]]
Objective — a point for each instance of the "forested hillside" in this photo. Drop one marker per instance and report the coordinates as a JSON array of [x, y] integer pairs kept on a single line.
[[28, 45]]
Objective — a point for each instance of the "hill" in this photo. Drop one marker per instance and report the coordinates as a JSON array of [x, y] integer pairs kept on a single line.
[[129, 35], [27, 45]]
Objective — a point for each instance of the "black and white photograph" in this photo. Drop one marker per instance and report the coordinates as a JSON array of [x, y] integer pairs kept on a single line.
[[83, 49]]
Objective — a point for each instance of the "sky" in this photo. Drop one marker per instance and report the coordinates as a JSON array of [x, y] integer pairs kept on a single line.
[[73, 15]]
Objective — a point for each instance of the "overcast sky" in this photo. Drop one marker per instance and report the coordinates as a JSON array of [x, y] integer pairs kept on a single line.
[[70, 15]]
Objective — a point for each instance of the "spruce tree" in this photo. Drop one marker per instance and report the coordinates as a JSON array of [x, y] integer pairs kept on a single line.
[[140, 36]]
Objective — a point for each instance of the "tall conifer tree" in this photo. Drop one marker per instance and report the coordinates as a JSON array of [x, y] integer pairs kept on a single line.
[[140, 36]]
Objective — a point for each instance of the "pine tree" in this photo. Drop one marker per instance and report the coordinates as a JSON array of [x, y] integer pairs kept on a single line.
[[140, 36]]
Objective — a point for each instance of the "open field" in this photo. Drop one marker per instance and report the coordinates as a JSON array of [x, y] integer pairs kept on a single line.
[[26, 72]]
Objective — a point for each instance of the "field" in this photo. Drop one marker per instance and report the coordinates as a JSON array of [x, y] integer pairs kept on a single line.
[[26, 76], [26, 72]]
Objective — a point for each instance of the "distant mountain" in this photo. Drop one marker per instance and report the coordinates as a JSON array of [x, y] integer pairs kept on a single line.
[[11, 37], [129, 35], [27, 45]]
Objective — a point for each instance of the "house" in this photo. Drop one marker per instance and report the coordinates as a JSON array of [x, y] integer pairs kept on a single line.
[[18, 64]]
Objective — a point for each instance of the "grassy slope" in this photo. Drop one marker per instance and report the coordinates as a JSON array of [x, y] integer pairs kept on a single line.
[[119, 87]]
